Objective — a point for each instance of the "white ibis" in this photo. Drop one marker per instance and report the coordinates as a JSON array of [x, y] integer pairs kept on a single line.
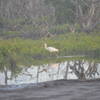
[[50, 49]]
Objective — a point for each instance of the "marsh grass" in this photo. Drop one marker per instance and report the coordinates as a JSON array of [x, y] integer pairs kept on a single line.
[[27, 51]]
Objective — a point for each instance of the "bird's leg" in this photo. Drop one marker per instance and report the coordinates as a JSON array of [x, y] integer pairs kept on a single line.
[[50, 54], [56, 54]]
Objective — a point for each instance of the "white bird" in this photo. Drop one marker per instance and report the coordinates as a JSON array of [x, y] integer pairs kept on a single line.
[[50, 49]]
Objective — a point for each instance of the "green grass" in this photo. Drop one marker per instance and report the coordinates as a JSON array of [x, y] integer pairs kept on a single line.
[[73, 43], [11, 32], [27, 51]]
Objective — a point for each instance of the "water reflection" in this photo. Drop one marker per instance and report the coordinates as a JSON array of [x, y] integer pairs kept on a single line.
[[80, 69]]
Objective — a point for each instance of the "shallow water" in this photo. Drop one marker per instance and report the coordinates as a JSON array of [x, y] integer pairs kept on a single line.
[[82, 70]]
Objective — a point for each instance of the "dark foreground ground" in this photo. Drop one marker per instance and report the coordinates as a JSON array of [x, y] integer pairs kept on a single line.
[[55, 90]]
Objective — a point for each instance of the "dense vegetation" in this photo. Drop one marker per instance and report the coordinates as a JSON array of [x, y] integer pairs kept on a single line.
[[26, 51], [84, 13], [35, 19], [72, 26]]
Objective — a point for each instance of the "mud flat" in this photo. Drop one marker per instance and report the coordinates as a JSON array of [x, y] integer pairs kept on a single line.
[[54, 90]]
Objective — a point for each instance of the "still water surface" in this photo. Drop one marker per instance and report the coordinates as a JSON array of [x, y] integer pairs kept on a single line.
[[83, 70]]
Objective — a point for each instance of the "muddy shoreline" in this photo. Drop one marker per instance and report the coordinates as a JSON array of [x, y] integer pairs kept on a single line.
[[54, 90]]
